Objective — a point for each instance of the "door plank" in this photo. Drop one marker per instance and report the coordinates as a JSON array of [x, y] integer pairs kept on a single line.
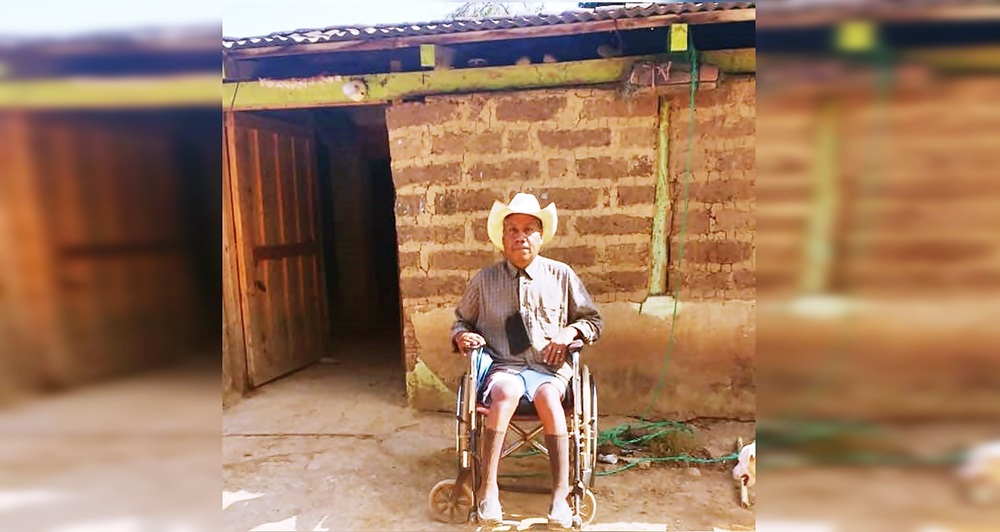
[[274, 170]]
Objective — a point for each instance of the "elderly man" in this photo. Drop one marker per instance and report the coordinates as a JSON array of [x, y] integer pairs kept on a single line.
[[525, 310]]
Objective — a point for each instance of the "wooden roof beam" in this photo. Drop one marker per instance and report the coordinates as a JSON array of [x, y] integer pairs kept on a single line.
[[328, 91], [736, 61], [111, 93]]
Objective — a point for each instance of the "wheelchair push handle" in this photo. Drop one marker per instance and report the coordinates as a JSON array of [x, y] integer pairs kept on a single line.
[[473, 357]]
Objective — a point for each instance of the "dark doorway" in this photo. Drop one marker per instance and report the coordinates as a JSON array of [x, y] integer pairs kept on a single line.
[[355, 209]]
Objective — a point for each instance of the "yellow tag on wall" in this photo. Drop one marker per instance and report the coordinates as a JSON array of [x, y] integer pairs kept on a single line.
[[678, 37], [426, 55], [856, 35]]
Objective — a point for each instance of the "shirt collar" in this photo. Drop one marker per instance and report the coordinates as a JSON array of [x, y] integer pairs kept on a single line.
[[531, 271]]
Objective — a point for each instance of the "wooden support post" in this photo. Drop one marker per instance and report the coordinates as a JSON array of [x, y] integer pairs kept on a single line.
[[661, 217], [819, 254]]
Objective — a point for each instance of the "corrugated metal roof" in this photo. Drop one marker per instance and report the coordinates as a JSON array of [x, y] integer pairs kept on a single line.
[[777, 14], [385, 31], [153, 39]]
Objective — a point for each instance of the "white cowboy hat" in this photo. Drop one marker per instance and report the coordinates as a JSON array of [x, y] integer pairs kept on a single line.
[[521, 204]]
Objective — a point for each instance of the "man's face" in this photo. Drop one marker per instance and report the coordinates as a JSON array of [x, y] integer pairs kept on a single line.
[[522, 238]]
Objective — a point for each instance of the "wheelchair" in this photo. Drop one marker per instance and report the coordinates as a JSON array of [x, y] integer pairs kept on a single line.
[[454, 500]]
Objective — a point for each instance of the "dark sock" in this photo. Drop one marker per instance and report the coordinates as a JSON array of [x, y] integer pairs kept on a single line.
[[492, 448], [558, 446]]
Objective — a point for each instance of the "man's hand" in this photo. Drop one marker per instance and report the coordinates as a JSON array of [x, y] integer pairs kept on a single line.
[[554, 354], [467, 341]]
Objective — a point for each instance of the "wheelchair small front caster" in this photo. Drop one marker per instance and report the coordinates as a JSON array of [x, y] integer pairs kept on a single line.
[[588, 508], [450, 504]]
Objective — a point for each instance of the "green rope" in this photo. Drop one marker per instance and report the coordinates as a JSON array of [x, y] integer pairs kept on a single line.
[[662, 428], [679, 458], [657, 429], [622, 437], [693, 57], [774, 463], [863, 459], [637, 461], [880, 59], [793, 434]]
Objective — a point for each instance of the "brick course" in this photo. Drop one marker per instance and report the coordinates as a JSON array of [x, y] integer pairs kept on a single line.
[[574, 139], [533, 110]]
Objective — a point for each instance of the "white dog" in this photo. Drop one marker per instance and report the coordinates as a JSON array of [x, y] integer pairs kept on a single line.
[[980, 473], [746, 469]]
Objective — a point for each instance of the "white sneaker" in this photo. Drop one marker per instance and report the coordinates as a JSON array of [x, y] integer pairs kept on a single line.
[[490, 512], [561, 515]]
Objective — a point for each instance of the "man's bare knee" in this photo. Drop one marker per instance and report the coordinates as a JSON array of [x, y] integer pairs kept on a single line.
[[548, 396], [506, 392]]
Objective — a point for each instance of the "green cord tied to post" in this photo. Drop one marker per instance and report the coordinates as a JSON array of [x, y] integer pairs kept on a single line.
[[614, 435], [681, 41], [860, 40], [677, 33]]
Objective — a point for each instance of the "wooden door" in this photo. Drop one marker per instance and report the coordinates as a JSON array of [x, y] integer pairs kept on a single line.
[[101, 271], [234, 355], [272, 167]]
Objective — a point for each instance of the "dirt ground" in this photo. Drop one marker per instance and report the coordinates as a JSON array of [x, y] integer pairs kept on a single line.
[[138, 454], [333, 447], [917, 496]]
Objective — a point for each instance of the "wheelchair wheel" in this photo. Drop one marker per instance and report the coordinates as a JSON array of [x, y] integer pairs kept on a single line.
[[458, 417], [589, 424], [588, 508], [449, 504]]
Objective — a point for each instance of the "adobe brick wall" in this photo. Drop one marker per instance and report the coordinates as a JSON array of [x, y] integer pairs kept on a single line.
[[915, 206], [787, 155], [914, 247], [453, 156], [930, 222], [718, 259], [593, 153]]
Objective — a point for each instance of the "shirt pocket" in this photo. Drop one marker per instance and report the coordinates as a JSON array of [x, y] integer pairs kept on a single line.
[[550, 308], [551, 317]]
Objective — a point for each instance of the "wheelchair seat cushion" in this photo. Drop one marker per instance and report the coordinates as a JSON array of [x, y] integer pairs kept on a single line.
[[526, 408]]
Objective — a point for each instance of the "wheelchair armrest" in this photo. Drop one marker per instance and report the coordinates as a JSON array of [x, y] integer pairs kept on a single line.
[[573, 351]]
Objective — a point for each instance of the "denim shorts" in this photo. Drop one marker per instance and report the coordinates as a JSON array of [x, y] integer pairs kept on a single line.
[[528, 379]]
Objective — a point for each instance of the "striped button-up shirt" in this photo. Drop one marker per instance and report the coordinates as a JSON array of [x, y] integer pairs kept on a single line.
[[549, 296]]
